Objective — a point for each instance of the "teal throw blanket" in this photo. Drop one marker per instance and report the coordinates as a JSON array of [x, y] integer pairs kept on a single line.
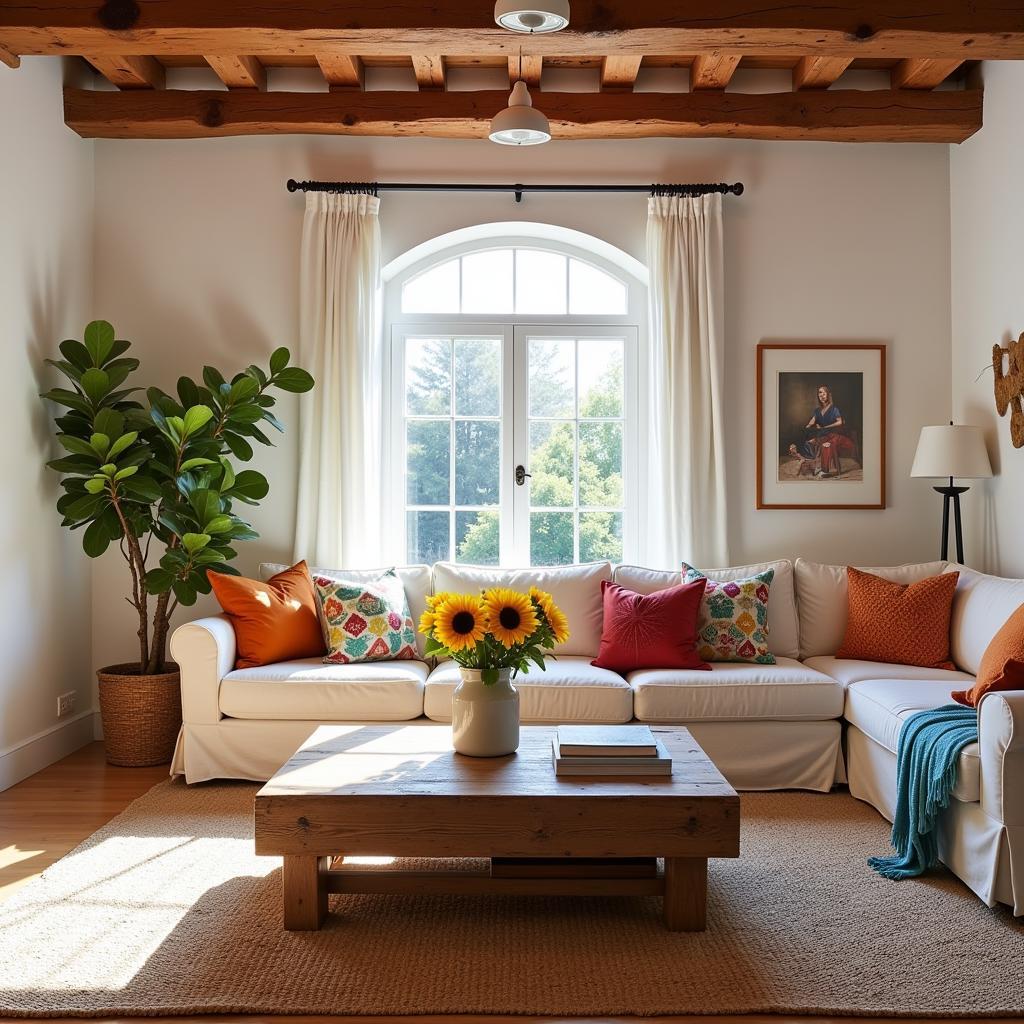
[[926, 772]]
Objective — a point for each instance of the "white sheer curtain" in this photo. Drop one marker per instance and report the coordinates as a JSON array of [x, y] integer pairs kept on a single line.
[[686, 456], [340, 421]]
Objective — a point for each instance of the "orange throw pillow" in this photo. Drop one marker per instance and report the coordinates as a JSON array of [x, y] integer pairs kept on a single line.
[[1002, 664], [904, 624], [273, 621]]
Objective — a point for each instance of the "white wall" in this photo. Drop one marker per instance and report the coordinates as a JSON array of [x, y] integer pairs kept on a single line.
[[197, 261], [987, 205], [46, 211]]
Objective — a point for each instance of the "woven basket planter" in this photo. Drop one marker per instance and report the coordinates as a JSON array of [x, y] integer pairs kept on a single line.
[[141, 714]]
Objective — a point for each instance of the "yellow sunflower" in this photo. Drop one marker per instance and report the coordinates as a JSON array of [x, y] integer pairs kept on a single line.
[[459, 622], [427, 620], [510, 616], [435, 599], [556, 617]]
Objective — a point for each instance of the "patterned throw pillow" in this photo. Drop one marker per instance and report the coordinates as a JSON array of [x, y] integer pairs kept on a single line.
[[733, 621], [366, 621]]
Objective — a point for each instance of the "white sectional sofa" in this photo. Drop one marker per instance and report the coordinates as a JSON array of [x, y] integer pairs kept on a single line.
[[807, 722]]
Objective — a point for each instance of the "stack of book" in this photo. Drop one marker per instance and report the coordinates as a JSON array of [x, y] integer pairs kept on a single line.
[[609, 750]]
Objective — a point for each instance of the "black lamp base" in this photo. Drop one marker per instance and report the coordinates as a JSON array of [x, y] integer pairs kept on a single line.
[[951, 495]]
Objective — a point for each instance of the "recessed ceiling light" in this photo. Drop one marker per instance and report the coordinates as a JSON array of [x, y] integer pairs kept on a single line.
[[520, 123], [549, 16]]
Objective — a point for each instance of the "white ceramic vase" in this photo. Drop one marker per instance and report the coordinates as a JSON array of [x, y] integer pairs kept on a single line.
[[485, 718]]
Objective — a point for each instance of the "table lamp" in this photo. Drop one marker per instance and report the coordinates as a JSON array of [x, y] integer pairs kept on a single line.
[[953, 451]]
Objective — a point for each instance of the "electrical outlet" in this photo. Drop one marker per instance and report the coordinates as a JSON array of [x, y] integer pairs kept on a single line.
[[66, 703]]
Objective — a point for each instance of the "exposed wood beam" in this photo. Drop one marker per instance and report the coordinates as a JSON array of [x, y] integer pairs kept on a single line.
[[342, 71], [835, 115], [942, 29], [533, 68], [130, 72], [12, 60], [819, 72], [922, 73], [239, 72], [713, 70], [618, 74], [430, 72]]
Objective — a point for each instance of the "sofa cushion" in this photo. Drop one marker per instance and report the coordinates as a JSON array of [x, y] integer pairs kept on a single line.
[[783, 627], [309, 690], [736, 691], [415, 579], [981, 605], [879, 707], [571, 690], [848, 671], [822, 599], [575, 588]]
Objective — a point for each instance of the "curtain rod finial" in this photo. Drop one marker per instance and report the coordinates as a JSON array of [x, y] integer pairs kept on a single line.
[[292, 185]]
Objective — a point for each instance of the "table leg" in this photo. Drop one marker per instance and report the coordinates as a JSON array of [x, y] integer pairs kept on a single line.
[[305, 892], [686, 894]]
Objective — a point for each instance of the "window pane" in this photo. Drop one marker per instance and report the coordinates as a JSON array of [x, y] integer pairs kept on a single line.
[[600, 536], [487, 282], [552, 377], [434, 291], [427, 462], [427, 537], [540, 282], [601, 464], [600, 377], [593, 291], [551, 539], [552, 458], [478, 376], [477, 462], [428, 376], [477, 538]]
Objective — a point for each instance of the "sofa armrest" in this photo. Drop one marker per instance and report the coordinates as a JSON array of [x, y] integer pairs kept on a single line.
[[1001, 738], [205, 653]]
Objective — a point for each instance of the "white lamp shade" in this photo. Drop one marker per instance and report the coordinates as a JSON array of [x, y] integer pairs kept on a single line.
[[520, 16], [952, 451], [520, 124]]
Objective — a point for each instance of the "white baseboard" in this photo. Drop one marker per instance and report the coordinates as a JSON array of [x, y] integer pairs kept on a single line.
[[39, 751]]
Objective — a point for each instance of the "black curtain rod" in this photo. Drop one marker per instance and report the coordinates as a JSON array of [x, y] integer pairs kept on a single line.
[[374, 188]]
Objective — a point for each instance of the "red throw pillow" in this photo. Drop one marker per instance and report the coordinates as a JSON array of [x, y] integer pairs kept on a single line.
[[1002, 664], [904, 624], [273, 621], [656, 630]]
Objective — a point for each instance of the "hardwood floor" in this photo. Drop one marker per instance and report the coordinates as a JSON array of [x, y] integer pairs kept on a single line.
[[47, 815]]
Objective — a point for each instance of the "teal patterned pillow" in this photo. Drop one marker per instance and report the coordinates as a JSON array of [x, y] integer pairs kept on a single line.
[[732, 624], [366, 621]]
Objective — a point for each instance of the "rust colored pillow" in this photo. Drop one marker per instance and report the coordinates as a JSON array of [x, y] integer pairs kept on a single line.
[[1002, 664], [273, 621], [905, 624]]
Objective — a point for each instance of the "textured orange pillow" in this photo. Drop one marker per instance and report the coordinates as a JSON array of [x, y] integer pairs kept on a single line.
[[904, 624], [273, 621], [1002, 664]]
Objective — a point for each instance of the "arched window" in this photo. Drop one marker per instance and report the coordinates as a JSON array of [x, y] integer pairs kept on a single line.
[[513, 398]]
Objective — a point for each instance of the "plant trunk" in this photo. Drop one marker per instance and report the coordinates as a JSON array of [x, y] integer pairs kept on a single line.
[[161, 623]]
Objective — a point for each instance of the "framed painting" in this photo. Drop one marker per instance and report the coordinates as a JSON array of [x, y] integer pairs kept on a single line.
[[820, 411]]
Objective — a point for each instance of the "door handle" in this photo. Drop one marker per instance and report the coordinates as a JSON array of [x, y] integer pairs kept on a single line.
[[521, 475]]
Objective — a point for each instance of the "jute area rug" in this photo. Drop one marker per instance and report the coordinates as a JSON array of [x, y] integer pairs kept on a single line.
[[167, 911]]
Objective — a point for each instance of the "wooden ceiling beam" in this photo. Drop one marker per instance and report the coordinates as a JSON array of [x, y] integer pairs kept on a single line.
[[942, 29], [12, 60], [532, 69], [836, 115], [922, 73], [618, 74], [430, 71], [131, 72], [819, 72], [239, 72], [713, 70], [342, 71]]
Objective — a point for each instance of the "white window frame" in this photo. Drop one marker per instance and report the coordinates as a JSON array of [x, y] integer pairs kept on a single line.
[[399, 326]]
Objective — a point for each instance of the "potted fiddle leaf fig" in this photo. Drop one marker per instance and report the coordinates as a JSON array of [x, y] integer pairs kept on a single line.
[[156, 476]]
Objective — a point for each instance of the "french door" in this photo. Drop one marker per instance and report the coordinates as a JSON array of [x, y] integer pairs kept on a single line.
[[514, 445]]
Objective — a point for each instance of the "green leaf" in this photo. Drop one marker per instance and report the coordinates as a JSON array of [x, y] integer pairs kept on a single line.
[[77, 446], [243, 389], [188, 392], [73, 464], [96, 385], [120, 346], [258, 375], [279, 359], [76, 354], [195, 542], [218, 524], [109, 422], [212, 378], [96, 539], [195, 464], [100, 443], [70, 399], [225, 568], [184, 592], [240, 448], [123, 474], [250, 485], [245, 414], [123, 442], [196, 418], [176, 426], [206, 504], [228, 480], [118, 370], [273, 420], [294, 380], [158, 581], [143, 487], [96, 485], [99, 340]]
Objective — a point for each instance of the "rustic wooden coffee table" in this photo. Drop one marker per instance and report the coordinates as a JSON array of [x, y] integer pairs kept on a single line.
[[401, 791]]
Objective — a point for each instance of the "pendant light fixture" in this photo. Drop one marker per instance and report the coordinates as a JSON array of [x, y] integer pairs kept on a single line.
[[520, 123], [517, 16]]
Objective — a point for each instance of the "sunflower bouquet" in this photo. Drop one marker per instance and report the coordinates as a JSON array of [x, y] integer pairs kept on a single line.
[[496, 629]]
